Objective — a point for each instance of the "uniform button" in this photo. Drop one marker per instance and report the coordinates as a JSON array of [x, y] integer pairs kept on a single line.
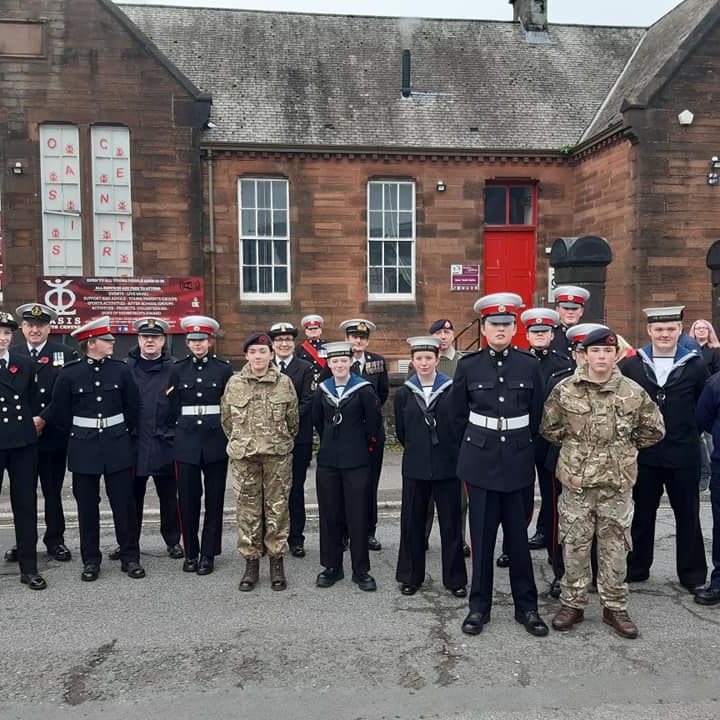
[[199, 422], [97, 368], [468, 439], [99, 398], [17, 407], [42, 404], [501, 379], [199, 394], [2, 399], [199, 379], [99, 415], [16, 397], [97, 383], [100, 430], [522, 384], [502, 438], [501, 399], [5, 419], [5, 409], [80, 389], [42, 390], [499, 363], [20, 417]]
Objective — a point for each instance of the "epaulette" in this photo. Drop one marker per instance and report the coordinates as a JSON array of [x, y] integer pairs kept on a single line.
[[72, 362], [562, 371], [115, 360], [182, 360], [222, 360], [525, 352], [468, 353], [562, 356]]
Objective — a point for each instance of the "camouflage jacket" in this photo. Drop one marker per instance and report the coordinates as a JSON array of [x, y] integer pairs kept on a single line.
[[259, 414], [600, 428]]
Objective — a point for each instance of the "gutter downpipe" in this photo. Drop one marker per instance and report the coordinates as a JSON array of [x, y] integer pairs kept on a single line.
[[211, 220]]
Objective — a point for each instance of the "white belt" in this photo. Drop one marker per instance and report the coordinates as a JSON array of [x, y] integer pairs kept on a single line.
[[201, 410], [98, 422], [499, 424]]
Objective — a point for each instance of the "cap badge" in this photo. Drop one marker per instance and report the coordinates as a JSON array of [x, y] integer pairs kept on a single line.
[[362, 327], [501, 308], [571, 297], [196, 328], [4, 317], [36, 311], [151, 323]]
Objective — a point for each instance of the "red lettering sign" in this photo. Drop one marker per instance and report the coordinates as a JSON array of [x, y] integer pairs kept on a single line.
[[55, 233], [52, 143], [120, 173], [52, 195], [104, 179], [122, 205], [53, 177], [69, 170], [122, 224], [104, 198], [106, 235], [124, 259], [70, 205], [107, 252], [55, 250], [69, 149], [103, 143], [119, 152]]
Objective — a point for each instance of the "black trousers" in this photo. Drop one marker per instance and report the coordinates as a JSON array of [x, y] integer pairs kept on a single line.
[[376, 461], [715, 501], [411, 556], [166, 487], [51, 470], [488, 510], [302, 454], [119, 489], [681, 485], [463, 512], [555, 551], [528, 494], [21, 466], [545, 484], [190, 491], [343, 496]]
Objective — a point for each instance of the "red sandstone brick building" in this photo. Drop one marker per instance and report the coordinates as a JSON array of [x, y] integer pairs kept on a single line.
[[343, 165]]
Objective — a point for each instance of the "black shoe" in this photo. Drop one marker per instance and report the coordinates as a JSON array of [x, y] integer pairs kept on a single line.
[[175, 551], [60, 553], [537, 541], [297, 551], [554, 590], [133, 569], [427, 545], [459, 592], [407, 589], [503, 561], [90, 572], [33, 581], [115, 554], [11, 555], [473, 623], [708, 596], [532, 622], [636, 577], [206, 565], [190, 565], [365, 582], [692, 588], [329, 576], [374, 543], [466, 549]]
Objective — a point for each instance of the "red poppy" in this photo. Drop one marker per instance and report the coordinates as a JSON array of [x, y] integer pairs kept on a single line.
[[44, 359], [13, 369]]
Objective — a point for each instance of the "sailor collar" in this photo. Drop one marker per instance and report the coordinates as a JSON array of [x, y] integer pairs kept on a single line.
[[442, 382], [354, 383]]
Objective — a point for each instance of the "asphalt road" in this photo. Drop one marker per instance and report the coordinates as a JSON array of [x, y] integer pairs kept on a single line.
[[178, 646]]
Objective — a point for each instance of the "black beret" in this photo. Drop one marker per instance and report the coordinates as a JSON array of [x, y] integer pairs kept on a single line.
[[258, 338], [440, 324], [602, 336]]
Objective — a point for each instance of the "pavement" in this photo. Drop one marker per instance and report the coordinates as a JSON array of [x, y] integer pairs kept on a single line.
[[181, 646]]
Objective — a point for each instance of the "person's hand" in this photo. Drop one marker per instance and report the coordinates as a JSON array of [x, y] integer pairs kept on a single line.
[[39, 424]]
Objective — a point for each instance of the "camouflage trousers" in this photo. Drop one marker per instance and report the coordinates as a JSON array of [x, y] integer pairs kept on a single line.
[[607, 514], [262, 486]]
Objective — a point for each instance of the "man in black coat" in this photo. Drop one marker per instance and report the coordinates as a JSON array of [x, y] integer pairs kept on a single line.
[[301, 373], [151, 365], [47, 358], [497, 398], [95, 400], [312, 349], [674, 377], [569, 304], [19, 448]]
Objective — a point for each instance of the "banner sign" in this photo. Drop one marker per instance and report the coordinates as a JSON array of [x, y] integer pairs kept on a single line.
[[78, 300], [464, 278]]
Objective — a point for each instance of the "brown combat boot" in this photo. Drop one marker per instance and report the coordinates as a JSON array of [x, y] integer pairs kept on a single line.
[[252, 575], [620, 621], [567, 617], [277, 574]]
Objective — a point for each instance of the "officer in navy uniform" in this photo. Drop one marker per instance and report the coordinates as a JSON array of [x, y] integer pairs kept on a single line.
[[152, 365], [373, 368], [570, 304], [96, 401], [19, 449], [346, 415], [674, 377], [283, 336], [312, 349], [200, 444], [497, 398], [47, 357]]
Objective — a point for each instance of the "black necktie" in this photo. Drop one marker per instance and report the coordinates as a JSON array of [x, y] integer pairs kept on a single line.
[[3, 364], [356, 368], [282, 366], [34, 354]]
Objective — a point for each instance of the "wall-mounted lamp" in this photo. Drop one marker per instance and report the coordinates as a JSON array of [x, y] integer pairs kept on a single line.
[[440, 187], [712, 176], [17, 168], [686, 117]]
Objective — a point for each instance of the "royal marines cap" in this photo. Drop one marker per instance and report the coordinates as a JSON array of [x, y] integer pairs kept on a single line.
[[338, 349], [257, 338], [498, 308], [199, 327], [98, 328], [570, 297], [577, 333], [35, 312], [151, 326], [312, 322], [7, 320], [282, 328], [358, 326], [424, 342], [602, 336], [665, 314], [539, 319], [439, 325]]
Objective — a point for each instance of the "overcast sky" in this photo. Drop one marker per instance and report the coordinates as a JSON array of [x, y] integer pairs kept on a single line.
[[594, 12]]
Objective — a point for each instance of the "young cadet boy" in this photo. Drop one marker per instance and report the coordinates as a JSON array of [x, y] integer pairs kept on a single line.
[[600, 418]]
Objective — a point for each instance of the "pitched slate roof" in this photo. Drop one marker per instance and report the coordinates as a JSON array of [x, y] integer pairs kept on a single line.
[[661, 50], [291, 79]]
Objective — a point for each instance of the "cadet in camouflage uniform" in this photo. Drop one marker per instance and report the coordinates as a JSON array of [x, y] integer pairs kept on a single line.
[[600, 418], [259, 414]]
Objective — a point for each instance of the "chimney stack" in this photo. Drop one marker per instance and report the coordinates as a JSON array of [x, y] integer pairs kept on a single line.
[[532, 14]]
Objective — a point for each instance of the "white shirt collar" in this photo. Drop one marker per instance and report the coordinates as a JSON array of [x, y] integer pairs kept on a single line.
[[286, 360], [39, 348]]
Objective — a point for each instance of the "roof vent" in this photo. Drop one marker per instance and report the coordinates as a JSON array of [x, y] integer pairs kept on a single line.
[[532, 14], [406, 87]]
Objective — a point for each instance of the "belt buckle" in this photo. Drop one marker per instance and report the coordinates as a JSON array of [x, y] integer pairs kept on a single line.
[[499, 424], [200, 409], [101, 423]]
